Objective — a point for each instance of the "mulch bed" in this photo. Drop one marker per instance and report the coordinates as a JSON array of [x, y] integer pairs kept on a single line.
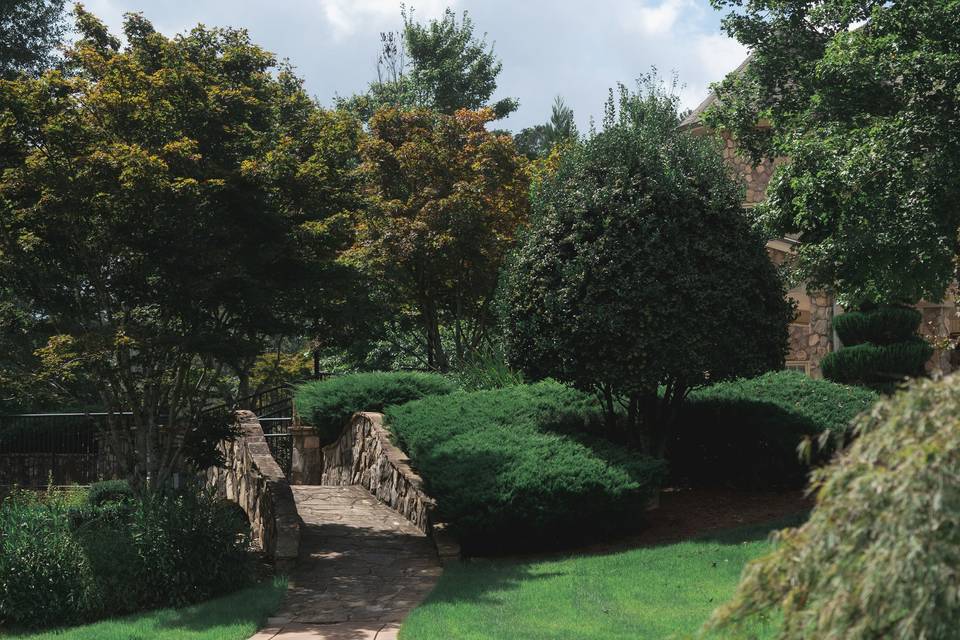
[[686, 513]]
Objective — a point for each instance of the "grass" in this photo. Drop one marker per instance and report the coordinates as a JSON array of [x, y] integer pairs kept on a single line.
[[643, 594], [233, 617]]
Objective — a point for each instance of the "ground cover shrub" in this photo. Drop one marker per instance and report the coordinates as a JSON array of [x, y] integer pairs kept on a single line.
[[512, 468], [64, 562], [880, 348], [747, 432], [328, 404], [878, 557]]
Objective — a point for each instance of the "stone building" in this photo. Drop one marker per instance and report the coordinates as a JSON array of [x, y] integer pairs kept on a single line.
[[811, 333]]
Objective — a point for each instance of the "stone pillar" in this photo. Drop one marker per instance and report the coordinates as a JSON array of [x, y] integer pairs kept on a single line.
[[820, 340], [307, 464]]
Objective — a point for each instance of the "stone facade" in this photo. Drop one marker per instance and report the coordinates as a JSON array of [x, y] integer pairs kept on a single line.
[[365, 456], [253, 479]]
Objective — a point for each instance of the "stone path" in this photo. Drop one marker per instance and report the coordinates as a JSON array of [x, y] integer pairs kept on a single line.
[[362, 568]]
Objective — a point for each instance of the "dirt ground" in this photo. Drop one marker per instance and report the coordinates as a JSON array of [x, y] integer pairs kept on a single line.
[[686, 513]]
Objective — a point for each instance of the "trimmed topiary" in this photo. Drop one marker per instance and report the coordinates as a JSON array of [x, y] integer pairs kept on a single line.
[[878, 558], [747, 432], [882, 326], [328, 404], [871, 364], [880, 348], [512, 469]]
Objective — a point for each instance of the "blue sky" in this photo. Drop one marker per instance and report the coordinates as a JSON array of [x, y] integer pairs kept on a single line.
[[573, 48]]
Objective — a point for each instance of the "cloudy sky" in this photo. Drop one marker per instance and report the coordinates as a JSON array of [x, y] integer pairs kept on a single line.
[[573, 48]]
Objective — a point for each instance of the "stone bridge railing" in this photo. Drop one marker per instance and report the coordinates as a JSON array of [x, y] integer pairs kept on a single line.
[[364, 455], [252, 478]]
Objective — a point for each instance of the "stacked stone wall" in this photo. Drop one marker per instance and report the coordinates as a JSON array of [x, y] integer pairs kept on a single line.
[[365, 456], [252, 478]]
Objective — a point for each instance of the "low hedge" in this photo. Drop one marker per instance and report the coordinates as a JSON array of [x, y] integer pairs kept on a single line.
[[328, 404], [63, 563], [510, 468], [873, 364], [747, 432]]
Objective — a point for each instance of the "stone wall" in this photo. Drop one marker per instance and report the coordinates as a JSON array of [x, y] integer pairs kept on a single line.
[[253, 479], [364, 455]]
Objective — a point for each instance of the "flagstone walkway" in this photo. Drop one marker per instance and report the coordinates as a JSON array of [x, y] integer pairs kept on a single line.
[[362, 568]]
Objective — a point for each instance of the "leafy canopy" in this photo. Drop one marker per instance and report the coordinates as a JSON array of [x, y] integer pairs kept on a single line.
[[640, 272], [444, 198], [162, 206], [862, 96], [440, 65], [29, 32]]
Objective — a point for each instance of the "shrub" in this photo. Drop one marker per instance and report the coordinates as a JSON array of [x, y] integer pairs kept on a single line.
[[881, 326], [109, 491], [191, 546], [45, 577], [64, 563], [640, 272], [877, 560], [880, 348], [871, 364], [746, 432], [511, 468], [328, 404]]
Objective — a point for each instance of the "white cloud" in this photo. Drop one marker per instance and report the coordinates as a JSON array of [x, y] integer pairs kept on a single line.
[[657, 19], [346, 16], [719, 54]]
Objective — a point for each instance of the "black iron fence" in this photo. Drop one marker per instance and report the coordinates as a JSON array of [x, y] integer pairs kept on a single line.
[[68, 447]]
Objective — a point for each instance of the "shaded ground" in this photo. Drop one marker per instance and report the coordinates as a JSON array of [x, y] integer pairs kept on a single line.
[[686, 513]]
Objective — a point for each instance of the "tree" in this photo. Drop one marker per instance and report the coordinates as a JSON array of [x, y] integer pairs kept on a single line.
[[639, 277], [537, 141], [29, 31], [449, 69], [861, 97], [445, 197], [877, 558], [162, 208]]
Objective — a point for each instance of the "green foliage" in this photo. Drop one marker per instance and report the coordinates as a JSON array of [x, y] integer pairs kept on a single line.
[[860, 95], [747, 432], [877, 559], [881, 326], [486, 370], [109, 491], [639, 270], [164, 206], [537, 141], [29, 32], [445, 198], [63, 562], [512, 468], [449, 69], [328, 404], [45, 576], [191, 546], [871, 364]]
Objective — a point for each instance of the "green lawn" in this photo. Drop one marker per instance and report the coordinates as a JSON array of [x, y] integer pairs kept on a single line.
[[233, 617], [643, 594]]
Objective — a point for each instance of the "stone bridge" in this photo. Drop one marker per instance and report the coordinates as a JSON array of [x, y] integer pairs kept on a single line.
[[352, 528]]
